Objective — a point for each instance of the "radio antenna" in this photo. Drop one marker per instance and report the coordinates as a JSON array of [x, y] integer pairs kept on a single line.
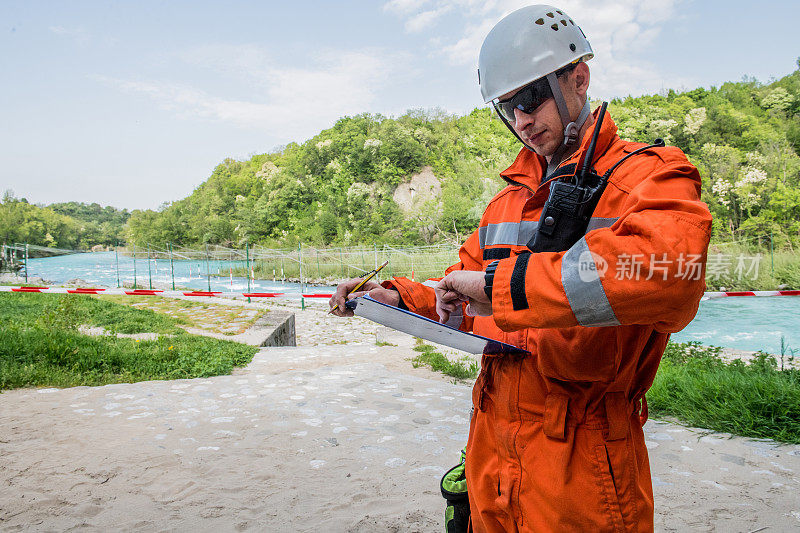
[[587, 160]]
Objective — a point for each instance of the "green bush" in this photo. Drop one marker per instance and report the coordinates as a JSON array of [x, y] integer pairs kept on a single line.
[[789, 275]]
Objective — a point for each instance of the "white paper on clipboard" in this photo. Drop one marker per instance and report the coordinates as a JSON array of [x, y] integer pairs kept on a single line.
[[425, 328]]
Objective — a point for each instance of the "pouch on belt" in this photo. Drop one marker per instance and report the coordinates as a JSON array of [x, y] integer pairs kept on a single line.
[[454, 490]]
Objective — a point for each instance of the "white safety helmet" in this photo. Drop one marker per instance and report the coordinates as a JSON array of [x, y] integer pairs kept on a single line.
[[528, 44]]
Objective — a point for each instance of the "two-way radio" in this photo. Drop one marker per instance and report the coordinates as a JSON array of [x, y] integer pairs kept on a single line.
[[566, 214]]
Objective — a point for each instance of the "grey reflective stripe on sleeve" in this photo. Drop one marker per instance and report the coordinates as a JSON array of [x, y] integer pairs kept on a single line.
[[587, 298], [430, 283], [520, 233], [600, 222], [507, 233]]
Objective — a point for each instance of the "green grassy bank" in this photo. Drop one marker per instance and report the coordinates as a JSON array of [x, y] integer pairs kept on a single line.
[[695, 386], [745, 268], [40, 344], [68, 311]]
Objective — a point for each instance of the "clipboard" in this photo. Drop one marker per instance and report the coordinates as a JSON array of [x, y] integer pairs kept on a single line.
[[425, 328]]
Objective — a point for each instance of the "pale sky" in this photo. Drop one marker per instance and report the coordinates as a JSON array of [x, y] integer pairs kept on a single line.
[[132, 104]]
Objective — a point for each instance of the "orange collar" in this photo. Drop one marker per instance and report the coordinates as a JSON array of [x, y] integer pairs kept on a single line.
[[529, 167]]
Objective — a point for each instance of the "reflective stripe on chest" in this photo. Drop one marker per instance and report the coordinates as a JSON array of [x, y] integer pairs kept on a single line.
[[519, 233]]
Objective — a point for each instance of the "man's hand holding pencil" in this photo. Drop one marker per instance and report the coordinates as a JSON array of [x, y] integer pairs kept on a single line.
[[359, 287]]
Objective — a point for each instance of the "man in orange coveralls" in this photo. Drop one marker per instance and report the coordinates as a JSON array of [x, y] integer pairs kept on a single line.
[[556, 441]]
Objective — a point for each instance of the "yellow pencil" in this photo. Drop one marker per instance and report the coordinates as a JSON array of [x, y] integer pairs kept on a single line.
[[363, 281]]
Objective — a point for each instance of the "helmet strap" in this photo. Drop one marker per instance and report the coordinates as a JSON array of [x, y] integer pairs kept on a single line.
[[571, 129]]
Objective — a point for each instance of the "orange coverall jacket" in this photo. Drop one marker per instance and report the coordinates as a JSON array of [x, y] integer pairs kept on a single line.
[[555, 440]]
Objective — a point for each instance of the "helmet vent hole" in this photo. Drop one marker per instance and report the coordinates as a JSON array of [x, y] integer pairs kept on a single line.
[[559, 12], [570, 21], [554, 26], [572, 46], [563, 22], [551, 15], [540, 22]]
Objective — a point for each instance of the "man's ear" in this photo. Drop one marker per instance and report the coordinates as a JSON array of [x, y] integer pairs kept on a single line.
[[580, 79]]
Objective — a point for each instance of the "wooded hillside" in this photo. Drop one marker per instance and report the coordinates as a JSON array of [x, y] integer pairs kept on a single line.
[[341, 186]]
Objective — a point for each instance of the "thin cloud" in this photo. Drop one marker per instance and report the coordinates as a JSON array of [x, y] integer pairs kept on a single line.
[[425, 19], [617, 29], [404, 7], [298, 101], [77, 34], [249, 63]]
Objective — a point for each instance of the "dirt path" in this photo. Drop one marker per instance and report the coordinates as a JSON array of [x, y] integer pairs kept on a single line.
[[338, 434]]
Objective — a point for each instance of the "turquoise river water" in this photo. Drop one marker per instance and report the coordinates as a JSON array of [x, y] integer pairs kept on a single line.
[[746, 323]]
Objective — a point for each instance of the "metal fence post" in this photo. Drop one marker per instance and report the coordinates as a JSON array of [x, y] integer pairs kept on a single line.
[[171, 266], [116, 259], [208, 270], [247, 266], [134, 266], [771, 254], [300, 262], [149, 272], [26, 262]]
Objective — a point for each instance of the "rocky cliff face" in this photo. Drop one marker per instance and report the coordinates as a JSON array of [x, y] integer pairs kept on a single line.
[[422, 187]]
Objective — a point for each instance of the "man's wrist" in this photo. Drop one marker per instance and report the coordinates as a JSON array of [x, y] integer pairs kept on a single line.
[[389, 286], [400, 303], [488, 278]]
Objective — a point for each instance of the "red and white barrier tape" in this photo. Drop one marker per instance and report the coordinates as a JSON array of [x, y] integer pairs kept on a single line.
[[226, 294], [158, 292], [709, 295]]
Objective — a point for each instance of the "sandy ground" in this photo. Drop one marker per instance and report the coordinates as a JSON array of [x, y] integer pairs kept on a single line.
[[338, 434]]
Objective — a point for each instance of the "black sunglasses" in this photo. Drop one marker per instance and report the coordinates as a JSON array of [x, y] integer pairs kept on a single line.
[[527, 99], [530, 97]]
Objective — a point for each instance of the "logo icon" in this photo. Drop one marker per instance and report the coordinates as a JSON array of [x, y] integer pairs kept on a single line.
[[591, 266]]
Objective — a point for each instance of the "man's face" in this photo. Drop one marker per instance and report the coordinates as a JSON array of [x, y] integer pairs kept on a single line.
[[542, 129]]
